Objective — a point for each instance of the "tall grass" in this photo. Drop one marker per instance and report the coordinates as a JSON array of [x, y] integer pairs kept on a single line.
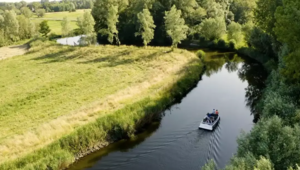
[[63, 102]]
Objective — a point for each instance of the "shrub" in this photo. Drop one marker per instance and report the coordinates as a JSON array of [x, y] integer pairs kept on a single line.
[[221, 44], [201, 54], [232, 44]]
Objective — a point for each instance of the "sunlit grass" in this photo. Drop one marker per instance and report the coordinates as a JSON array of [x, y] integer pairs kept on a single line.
[[55, 26], [54, 90], [54, 19], [60, 15]]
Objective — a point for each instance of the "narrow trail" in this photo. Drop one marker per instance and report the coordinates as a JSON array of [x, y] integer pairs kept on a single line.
[[11, 51]]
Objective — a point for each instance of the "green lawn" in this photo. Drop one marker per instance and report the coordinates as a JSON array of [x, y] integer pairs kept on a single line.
[[53, 90]]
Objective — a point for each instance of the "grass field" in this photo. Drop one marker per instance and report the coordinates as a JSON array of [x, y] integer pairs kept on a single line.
[[54, 19], [60, 15], [53, 90]]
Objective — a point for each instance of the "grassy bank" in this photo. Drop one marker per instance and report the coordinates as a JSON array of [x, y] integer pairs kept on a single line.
[[63, 102]]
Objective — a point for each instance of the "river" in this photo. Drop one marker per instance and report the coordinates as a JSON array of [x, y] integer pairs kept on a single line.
[[230, 84]]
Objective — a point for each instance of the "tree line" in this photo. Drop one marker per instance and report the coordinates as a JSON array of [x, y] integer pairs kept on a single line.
[[47, 6], [274, 142], [162, 22], [15, 27]]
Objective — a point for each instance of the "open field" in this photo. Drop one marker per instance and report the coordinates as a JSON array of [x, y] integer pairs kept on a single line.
[[55, 26], [54, 19], [54, 90], [60, 15]]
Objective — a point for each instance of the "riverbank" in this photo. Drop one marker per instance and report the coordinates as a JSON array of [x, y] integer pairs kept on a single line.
[[65, 102]]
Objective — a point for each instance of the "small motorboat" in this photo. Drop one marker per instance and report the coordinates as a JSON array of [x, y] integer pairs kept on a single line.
[[210, 125]]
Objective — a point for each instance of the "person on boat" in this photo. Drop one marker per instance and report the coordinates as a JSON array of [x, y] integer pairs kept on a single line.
[[217, 112], [214, 112], [208, 118]]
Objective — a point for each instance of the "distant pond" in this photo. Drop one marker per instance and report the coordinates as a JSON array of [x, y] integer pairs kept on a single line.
[[72, 41]]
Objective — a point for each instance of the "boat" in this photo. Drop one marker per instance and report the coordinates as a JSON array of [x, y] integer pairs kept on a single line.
[[210, 125]]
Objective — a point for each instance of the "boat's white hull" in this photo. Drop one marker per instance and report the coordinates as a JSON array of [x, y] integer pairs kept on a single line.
[[210, 127]]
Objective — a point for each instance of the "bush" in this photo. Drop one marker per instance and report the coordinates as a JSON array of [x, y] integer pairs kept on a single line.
[[77, 31], [209, 166], [232, 44], [222, 44], [235, 32], [212, 28], [272, 139], [201, 54], [53, 36]]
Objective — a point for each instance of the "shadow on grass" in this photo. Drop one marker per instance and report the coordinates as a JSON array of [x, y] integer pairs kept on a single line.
[[57, 56], [116, 59], [121, 57], [23, 46]]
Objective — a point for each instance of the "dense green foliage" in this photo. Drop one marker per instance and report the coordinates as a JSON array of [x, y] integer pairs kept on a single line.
[[44, 28], [274, 142], [65, 27], [49, 6], [175, 26], [86, 25], [174, 21], [147, 26]]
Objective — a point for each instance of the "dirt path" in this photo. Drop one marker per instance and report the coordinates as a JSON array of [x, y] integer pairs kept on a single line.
[[10, 51]]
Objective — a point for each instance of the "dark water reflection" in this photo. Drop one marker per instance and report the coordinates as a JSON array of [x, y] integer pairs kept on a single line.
[[231, 84]]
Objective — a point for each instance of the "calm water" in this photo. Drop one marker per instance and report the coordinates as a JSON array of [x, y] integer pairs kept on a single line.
[[230, 84], [69, 40]]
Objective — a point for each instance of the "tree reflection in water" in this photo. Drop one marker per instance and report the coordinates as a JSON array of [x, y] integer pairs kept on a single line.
[[255, 74], [251, 71]]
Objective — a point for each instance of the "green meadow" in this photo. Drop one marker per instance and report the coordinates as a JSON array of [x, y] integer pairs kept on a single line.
[[54, 19], [53, 91]]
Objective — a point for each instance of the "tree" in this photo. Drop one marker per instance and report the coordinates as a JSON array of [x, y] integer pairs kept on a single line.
[[286, 28], [23, 4], [264, 14], [36, 5], [26, 12], [235, 32], [11, 24], [243, 10], [146, 29], [65, 27], [271, 138], [212, 28], [2, 38], [249, 163], [247, 28], [111, 21], [175, 26], [44, 28], [187, 6], [263, 164], [106, 15], [86, 25], [209, 166], [261, 41], [25, 27], [2, 22], [72, 7], [40, 12], [291, 70]]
